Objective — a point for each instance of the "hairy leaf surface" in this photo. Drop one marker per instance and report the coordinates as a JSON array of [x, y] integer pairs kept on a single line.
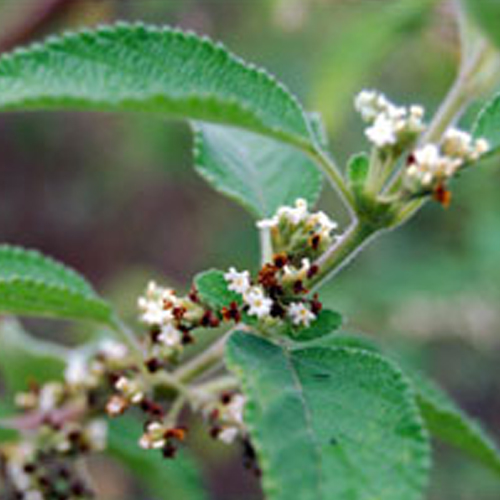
[[259, 173], [150, 69], [330, 423], [488, 125], [449, 423], [34, 285]]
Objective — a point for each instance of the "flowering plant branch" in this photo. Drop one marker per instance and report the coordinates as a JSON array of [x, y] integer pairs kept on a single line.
[[273, 357]]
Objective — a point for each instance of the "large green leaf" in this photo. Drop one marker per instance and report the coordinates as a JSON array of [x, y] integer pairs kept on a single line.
[[154, 70], [259, 173], [447, 422], [177, 479], [330, 423], [34, 285], [444, 419], [487, 124], [487, 15]]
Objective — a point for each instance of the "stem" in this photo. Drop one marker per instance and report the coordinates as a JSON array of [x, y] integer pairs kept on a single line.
[[174, 411], [127, 336], [353, 241], [221, 384], [196, 366], [266, 246], [170, 380], [336, 180]]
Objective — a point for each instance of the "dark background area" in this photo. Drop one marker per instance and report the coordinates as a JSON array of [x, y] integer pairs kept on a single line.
[[115, 196]]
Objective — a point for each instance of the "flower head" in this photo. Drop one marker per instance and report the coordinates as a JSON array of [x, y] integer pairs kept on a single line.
[[239, 282], [259, 304], [300, 314]]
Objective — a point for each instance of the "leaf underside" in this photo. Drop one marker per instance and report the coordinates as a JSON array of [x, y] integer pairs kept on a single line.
[[259, 173], [330, 423]]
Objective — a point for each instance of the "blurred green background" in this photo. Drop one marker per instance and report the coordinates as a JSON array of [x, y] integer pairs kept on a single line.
[[116, 197]]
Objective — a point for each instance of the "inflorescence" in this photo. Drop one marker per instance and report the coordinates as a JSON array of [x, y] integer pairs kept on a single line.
[[394, 130]]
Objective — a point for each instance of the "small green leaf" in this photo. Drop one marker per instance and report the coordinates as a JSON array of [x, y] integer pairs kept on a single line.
[[487, 125], [177, 479], [24, 358], [259, 173], [34, 285], [487, 14], [212, 289], [330, 423], [152, 70], [357, 171], [326, 323], [447, 422]]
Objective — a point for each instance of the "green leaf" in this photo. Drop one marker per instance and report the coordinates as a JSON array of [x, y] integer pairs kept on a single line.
[[447, 422], [34, 285], [487, 14], [326, 323], [24, 358], [330, 423], [154, 70], [212, 289], [487, 125], [177, 479], [259, 173], [357, 171]]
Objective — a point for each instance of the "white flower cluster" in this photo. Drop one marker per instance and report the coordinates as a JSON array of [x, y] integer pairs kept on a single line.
[[253, 296], [227, 417], [432, 165], [231, 417], [85, 372], [161, 308], [259, 304], [319, 222], [390, 125]]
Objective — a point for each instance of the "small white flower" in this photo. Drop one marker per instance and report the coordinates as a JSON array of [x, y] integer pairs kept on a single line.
[[154, 437], [170, 336], [481, 147], [112, 349], [234, 410], [130, 389], [382, 133], [18, 476], [50, 396], [367, 103], [239, 282], [77, 372], [116, 406], [32, 495], [294, 215], [268, 223], [154, 312], [300, 314], [228, 435], [97, 434], [323, 222], [259, 304], [457, 143]]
